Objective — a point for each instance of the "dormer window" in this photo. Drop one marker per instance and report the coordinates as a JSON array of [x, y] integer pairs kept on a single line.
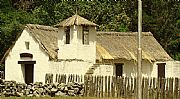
[[67, 32], [85, 35], [27, 45]]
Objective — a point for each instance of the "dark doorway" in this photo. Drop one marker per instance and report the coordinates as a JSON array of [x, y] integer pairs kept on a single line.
[[161, 70], [119, 69], [29, 73]]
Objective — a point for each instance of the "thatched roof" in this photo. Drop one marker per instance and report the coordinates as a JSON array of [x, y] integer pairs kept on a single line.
[[110, 45], [75, 20], [123, 45], [46, 37]]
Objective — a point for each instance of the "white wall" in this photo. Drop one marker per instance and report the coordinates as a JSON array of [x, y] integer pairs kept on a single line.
[[129, 69], [69, 67], [76, 50], [14, 71], [104, 70], [173, 69]]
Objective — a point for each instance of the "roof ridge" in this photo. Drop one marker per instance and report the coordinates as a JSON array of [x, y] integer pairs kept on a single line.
[[42, 27], [75, 20], [123, 33]]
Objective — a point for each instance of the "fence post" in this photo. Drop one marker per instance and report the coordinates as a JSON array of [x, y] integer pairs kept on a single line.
[[113, 86], [102, 91], [176, 88], [118, 86], [106, 86], [109, 83], [85, 85]]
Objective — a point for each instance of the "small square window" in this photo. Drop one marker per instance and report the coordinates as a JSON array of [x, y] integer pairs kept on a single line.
[[27, 45]]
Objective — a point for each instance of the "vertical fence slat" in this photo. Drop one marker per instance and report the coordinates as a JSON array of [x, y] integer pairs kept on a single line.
[[93, 86], [131, 88], [109, 83], [102, 84], [166, 88], [176, 88], [85, 85], [106, 86], [143, 89], [122, 86], [135, 87], [113, 86], [146, 86], [118, 86], [171, 88], [125, 87], [96, 86], [150, 88]]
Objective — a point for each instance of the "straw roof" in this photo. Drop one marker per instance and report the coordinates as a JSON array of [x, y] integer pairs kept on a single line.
[[123, 45], [75, 20], [46, 36], [110, 45]]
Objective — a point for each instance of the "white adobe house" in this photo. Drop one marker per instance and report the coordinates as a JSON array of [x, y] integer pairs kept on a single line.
[[74, 47]]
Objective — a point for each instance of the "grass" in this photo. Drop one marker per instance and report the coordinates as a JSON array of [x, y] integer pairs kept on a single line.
[[47, 97]]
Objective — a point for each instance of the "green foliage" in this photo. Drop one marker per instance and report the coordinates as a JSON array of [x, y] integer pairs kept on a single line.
[[161, 17], [11, 23], [2, 67]]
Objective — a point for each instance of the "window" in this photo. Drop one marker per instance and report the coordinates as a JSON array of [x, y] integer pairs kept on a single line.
[[85, 35], [27, 45], [67, 32]]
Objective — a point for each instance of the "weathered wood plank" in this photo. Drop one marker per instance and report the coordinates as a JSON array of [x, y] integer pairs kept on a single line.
[[113, 86], [118, 86], [85, 85], [96, 86], [176, 88], [102, 84], [106, 86], [109, 83], [125, 88]]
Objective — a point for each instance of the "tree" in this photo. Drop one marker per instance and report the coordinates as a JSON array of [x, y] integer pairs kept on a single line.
[[161, 17]]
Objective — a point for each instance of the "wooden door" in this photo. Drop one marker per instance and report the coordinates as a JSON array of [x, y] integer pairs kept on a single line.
[[29, 73], [119, 69], [161, 70]]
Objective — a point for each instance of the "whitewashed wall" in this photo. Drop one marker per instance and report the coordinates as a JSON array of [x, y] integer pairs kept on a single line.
[[176, 69], [69, 67], [129, 69], [173, 69], [66, 67], [14, 71], [76, 50], [104, 70]]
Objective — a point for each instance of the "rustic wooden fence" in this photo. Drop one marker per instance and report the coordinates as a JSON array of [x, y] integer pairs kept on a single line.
[[123, 87], [2, 74]]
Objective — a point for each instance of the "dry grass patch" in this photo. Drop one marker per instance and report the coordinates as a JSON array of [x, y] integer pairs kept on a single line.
[[48, 97]]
